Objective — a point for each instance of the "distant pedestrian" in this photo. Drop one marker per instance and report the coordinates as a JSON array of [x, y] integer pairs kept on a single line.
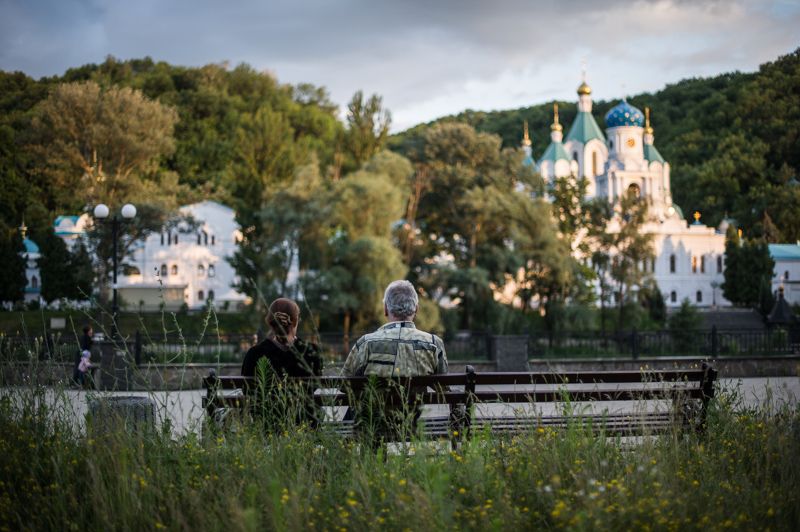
[[86, 344], [84, 366]]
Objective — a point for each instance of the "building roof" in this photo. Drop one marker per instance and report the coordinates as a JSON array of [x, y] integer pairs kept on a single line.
[[624, 114], [584, 128], [651, 154], [30, 245], [528, 161], [785, 251], [554, 152]]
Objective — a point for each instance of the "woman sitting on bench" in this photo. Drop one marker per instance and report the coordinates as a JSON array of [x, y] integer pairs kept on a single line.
[[283, 355]]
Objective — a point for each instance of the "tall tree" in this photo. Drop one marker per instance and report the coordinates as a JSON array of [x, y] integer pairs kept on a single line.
[[367, 130], [12, 274]]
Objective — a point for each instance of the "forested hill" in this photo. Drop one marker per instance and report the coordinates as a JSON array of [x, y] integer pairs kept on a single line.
[[732, 141]]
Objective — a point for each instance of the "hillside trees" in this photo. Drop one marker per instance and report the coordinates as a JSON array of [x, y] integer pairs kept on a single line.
[[748, 270]]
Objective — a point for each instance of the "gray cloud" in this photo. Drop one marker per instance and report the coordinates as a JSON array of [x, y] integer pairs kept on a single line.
[[427, 58]]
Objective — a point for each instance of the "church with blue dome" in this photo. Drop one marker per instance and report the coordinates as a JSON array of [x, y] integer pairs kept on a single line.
[[620, 159]]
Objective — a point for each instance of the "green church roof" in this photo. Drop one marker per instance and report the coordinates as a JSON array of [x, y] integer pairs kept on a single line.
[[584, 129], [554, 152], [651, 154], [784, 251]]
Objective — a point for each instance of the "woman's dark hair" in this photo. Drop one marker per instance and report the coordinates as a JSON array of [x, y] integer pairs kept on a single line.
[[283, 316]]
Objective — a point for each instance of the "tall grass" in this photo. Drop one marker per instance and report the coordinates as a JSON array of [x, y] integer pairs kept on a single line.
[[743, 474]]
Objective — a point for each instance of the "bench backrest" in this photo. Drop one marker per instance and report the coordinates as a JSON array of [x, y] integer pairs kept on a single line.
[[463, 388]]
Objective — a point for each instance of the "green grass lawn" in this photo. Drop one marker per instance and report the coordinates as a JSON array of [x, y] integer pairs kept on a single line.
[[744, 474]]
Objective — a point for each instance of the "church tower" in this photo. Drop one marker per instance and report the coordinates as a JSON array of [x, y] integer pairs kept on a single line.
[[555, 162], [527, 147], [586, 144]]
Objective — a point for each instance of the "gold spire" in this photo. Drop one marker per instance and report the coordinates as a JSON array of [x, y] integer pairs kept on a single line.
[[696, 217], [556, 126], [647, 129], [584, 89], [526, 139]]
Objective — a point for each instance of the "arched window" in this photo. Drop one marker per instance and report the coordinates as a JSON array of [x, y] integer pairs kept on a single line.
[[694, 264], [210, 295], [34, 282], [594, 163], [611, 144], [175, 239], [786, 275], [162, 238], [174, 270], [163, 270], [169, 238], [699, 296], [200, 295], [212, 271], [672, 263], [199, 239], [634, 190], [673, 296], [201, 270], [702, 264], [574, 156], [212, 240], [719, 263]]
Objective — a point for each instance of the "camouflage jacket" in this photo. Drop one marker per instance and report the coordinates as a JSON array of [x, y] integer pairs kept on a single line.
[[397, 349]]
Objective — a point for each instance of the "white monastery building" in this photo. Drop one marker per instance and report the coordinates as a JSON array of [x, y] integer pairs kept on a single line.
[[186, 263], [689, 257]]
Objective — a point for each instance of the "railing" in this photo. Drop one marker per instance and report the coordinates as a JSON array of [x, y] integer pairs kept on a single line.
[[634, 344], [464, 345]]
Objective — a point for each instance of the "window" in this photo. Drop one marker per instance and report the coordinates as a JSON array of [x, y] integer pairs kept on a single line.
[[611, 144], [175, 239], [212, 271], [719, 263], [200, 295], [699, 296], [162, 238], [169, 239], [702, 264], [205, 238], [672, 264], [201, 270], [34, 282], [594, 163], [212, 240], [174, 269], [198, 239], [574, 156], [210, 295], [634, 190], [786, 275], [163, 270], [673, 296], [694, 264]]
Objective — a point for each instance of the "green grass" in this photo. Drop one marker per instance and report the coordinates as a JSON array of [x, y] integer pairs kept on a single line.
[[744, 474]]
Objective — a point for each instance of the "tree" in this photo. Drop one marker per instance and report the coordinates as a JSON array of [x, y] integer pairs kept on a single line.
[[12, 274], [632, 248], [366, 132], [682, 324], [65, 274], [748, 267]]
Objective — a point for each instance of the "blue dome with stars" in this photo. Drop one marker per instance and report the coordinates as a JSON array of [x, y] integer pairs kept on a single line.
[[624, 114]]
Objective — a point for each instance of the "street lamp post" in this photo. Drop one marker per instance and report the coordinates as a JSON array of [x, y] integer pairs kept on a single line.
[[101, 212]]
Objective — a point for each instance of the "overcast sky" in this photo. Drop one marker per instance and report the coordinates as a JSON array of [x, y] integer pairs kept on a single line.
[[427, 58]]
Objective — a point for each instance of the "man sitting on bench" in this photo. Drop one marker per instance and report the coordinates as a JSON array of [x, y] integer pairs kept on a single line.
[[397, 349]]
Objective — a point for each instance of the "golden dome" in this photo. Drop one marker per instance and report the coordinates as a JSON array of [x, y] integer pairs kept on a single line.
[[584, 89]]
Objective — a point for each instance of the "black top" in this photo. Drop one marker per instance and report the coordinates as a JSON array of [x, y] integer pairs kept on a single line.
[[86, 342], [301, 359]]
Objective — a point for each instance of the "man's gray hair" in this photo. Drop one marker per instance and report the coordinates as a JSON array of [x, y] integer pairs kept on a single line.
[[401, 299]]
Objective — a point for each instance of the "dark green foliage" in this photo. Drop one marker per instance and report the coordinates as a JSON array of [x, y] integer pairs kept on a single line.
[[12, 273], [682, 324], [748, 267]]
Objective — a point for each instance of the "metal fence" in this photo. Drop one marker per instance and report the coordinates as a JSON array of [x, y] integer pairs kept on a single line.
[[712, 343], [463, 345]]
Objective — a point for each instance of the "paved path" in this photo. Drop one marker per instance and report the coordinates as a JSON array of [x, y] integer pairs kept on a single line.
[[185, 413]]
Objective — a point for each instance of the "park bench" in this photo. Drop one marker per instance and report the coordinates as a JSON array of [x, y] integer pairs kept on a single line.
[[615, 403]]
